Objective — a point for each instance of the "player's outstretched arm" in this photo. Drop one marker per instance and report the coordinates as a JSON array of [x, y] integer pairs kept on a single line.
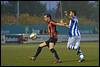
[[65, 24], [60, 24]]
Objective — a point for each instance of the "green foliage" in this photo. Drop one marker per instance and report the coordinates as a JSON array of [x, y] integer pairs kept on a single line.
[[31, 12], [27, 19], [83, 8], [23, 19], [8, 20], [34, 8]]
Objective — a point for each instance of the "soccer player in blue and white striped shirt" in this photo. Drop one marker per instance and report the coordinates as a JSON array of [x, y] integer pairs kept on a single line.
[[74, 34]]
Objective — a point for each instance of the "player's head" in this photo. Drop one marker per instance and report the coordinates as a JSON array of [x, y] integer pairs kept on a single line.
[[70, 13], [47, 17]]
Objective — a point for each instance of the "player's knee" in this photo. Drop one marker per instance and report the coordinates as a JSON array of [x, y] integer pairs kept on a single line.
[[40, 47], [52, 50], [42, 44], [68, 45], [76, 47]]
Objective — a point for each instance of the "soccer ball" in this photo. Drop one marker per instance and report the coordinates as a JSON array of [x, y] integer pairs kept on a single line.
[[33, 36]]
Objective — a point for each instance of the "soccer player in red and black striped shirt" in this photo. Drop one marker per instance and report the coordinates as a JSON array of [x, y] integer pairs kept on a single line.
[[52, 38]]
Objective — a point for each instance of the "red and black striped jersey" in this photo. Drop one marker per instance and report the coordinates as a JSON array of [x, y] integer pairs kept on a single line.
[[52, 29]]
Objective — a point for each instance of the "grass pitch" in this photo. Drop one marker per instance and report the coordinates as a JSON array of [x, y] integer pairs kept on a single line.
[[18, 55]]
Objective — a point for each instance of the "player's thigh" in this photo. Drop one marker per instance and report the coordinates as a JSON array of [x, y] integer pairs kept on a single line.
[[77, 43], [71, 40], [51, 45], [78, 38], [42, 44]]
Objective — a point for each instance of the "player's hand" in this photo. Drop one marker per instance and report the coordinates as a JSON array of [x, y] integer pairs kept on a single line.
[[65, 24]]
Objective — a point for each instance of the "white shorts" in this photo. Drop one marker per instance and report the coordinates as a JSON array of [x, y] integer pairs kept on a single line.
[[74, 42]]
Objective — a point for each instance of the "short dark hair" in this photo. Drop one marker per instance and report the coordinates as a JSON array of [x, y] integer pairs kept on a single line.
[[74, 12], [68, 12], [48, 15]]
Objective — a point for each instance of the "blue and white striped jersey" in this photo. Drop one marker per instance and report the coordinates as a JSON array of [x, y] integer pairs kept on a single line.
[[73, 27]]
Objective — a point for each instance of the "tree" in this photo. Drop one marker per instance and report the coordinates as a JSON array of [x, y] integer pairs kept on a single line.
[[34, 8], [83, 8]]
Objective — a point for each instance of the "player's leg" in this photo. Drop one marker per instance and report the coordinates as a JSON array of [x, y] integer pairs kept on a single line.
[[51, 47], [70, 44], [79, 52], [38, 50], [77, 48], [77, 45]]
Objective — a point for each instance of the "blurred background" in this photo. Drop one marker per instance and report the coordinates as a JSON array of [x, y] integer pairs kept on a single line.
[[20, 18]]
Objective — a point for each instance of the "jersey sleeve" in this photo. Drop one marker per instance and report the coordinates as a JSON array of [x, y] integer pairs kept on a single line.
[[71, 22], [54, 23]]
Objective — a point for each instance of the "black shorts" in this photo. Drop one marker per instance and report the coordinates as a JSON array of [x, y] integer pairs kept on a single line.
[[51, 40]]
